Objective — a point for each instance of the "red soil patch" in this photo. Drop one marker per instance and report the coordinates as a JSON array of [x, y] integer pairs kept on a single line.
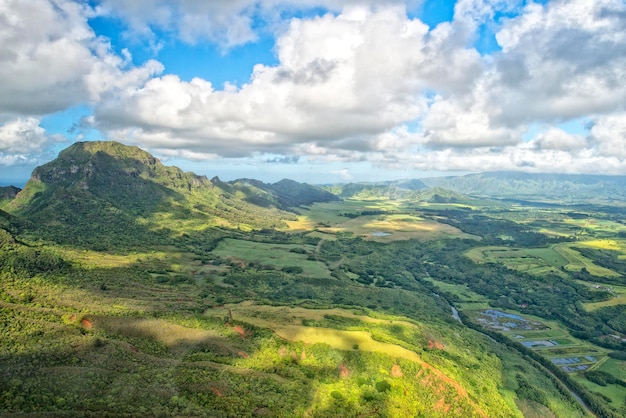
[[396, 371], [435, 345], [441, 405], [446, 379], [427, 380], [216, 391], [343, 370], [86, 323], [239, 330]]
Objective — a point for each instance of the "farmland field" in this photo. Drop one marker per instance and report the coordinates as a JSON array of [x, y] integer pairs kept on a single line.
[[618, 296], [331, 218], [576, 261], [277, 255], [538, 261], [288, 323]]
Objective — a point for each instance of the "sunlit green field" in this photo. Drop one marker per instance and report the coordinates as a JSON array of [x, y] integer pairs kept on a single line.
[[539, 261], [288, 323], [170, 320], [267, 254], [329, 218], [576, 261], [619, 297]]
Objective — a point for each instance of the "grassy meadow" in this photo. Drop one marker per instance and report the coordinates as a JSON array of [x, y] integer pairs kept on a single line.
[[387, 226]]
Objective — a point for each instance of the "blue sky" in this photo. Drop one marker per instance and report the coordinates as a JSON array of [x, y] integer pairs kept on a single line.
[[319, 91]]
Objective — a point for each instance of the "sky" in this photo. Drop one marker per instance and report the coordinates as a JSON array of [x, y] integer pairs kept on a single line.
[[319, 91]]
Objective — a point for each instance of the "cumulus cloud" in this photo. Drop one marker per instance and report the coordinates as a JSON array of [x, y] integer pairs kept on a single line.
[[341, 81], [564, 60], [609, 135], [369, 83], [558, 139], [227, 23], [50, 59], [22, 139], [362, 82]]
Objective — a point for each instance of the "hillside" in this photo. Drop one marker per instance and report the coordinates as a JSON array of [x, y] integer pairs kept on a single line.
[[536, 187]]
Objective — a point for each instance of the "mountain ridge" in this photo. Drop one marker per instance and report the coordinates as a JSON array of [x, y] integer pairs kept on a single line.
[[134, 194], [536, 186]]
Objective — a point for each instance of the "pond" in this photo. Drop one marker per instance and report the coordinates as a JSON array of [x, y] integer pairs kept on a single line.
[[574, 364], [380, 234], [504, 321]]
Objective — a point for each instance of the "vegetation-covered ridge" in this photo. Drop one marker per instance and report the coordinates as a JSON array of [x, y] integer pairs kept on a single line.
[[92, 184], [570, 188]]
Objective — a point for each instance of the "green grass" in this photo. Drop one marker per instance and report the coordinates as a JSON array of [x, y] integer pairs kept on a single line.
[[615, 392], [267, 254], [619, 297], [538, 261], [576, 261], [149, 336], [530, 260]]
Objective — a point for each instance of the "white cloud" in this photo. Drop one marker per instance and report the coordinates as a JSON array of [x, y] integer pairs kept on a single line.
[[364, 82], [562, 61], [22, 140], [227, 23], [559, 62], [558, 139], [50, 59], [342, 81], [22, 136], [347, 87], [609, 135]]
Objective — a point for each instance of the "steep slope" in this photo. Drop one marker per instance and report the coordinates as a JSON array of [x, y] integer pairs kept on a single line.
[[106, 194], [527, 186]]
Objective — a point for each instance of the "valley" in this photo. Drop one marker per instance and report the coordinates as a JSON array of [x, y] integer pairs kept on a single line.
[[134, 289]]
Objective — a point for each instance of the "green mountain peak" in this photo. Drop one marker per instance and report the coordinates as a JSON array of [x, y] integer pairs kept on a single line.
[[107, 164]]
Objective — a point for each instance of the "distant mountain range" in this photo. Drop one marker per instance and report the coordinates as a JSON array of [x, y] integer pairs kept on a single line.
[[565, 188]]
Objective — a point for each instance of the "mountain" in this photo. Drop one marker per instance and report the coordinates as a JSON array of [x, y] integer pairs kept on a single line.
[[96, 192], [285, 194], [8, 193], [570, 188], [389, 189]]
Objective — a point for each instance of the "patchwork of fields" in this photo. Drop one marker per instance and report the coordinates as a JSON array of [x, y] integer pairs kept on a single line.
[[385, 226]]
